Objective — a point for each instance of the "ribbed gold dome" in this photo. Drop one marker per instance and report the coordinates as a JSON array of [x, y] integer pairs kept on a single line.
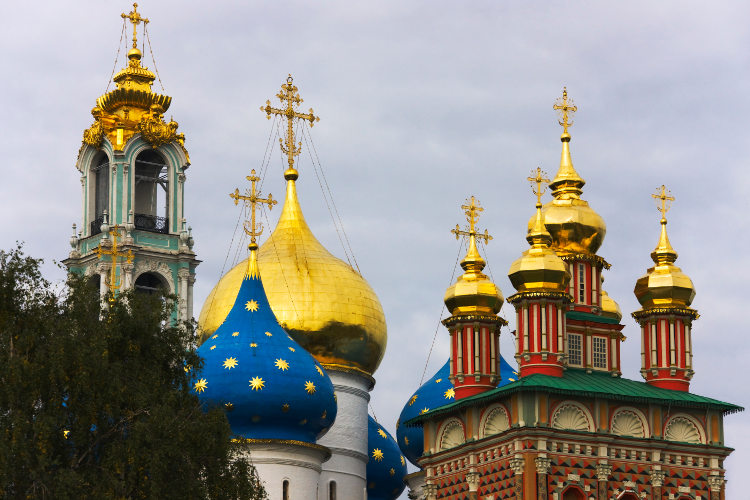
[[324, 304], [539, 269], [610, 308], [664, 285], [473, 292]]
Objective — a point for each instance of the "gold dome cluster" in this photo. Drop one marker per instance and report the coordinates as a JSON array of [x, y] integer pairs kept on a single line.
[[473, 293], [539, 269], [574, 226], [664, 285]]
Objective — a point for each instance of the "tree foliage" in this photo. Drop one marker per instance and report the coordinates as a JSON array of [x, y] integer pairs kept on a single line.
[[97, 403]]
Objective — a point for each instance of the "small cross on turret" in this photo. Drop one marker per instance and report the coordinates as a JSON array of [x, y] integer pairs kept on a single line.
[[665, 198], [253, 199], [540, 179], [471, 210], [136, 19], [565, 108]]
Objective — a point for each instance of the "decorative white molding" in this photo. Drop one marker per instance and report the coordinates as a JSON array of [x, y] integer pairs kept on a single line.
[[572, 416], [629, 422], [451, 435], [684, 429], [496, 420]]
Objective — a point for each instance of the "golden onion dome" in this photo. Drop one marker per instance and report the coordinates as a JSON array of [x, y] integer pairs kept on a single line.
[[539, 269], [664, 285], [473, 292], [610, 308], [324, 304], [574, 226]]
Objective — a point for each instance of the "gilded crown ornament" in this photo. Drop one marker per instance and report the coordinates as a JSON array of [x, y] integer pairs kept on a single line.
[[289, 96]]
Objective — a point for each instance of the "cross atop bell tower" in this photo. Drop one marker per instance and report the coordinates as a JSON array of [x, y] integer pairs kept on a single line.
[[290, 96], [135, 17]]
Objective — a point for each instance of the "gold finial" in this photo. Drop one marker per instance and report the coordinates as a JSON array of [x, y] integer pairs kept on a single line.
[[665, 197], [290, 96], [136, 19], [565, 108], [114, 284], [540, 179], [471, 209], [253, 199], [663, 253]]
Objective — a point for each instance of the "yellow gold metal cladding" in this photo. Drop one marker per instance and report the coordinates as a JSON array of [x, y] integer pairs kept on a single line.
[[324, 304]]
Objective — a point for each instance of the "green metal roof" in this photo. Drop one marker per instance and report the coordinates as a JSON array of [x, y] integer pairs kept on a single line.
[[596, 385], [582, 316]]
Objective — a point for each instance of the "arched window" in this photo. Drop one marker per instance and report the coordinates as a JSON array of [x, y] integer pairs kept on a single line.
[[151, 204], [100, 179], [628, 495], [332, 490], [149, 283], [573, 493], [285, 490]]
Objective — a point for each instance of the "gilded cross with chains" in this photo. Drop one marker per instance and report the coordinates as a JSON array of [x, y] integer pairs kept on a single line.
[[290, 96], [665, 197], [252, 199], [136, 19], [540, 179], [565, 108], [472, 209], [114, 283]]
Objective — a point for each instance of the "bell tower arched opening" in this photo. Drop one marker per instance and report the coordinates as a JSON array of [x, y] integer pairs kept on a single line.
[[151, 203], [99, 178], [150, 283]]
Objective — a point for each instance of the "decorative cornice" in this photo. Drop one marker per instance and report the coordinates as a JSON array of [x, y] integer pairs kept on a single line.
[[587, 257], [516, 297], [672, 310], [471, 318], [287, 442]]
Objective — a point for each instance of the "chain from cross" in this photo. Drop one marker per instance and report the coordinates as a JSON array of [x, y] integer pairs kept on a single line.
[[253, 199], [114, 252], [540, 179], [289, 95], [565, 108], [136, 19], [472, 210], [665, 197]]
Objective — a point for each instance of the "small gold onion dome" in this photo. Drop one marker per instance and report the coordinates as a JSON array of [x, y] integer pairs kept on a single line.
[[664, 285], [473, 292], [324, 304], [574, 226], [610, 308], [539, 269]]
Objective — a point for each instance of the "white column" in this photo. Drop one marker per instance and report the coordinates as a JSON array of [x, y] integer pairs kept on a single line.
[[347, 438]]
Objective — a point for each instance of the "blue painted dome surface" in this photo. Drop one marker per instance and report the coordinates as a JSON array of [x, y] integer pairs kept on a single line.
[[270, 386], [437, 391], [386, 467]]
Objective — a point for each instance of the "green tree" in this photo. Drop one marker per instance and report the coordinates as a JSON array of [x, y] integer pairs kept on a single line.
[[98, 404]]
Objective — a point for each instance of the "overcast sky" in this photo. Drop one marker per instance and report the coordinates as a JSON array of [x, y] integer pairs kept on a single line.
[[423, 104]]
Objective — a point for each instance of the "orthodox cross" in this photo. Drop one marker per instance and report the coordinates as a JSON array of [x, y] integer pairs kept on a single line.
[[472, 210], [135, 18], [565, 108], [252, 199], [539, 179], [289, 95], [665, 197], [114, 283]]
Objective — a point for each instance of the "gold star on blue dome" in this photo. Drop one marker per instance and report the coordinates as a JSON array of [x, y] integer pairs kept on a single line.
[[200, 385], [251, 305]]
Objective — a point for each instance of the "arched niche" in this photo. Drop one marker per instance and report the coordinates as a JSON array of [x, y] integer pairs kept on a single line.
[[570, 415], [99, 180], [151, 283], [573, 493], [684, 429], [629, 422], [151, 191], [494, 421], [451, 434]]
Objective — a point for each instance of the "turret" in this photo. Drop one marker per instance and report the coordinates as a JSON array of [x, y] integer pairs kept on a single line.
[[541, 279], [474, 302], [665, 317]]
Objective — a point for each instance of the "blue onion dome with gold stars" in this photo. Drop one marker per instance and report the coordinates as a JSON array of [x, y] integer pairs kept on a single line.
[[437, 391], [270, 387], [386, 467]]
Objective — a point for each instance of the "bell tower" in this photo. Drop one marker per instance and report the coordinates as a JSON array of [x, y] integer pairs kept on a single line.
[[132, 165]]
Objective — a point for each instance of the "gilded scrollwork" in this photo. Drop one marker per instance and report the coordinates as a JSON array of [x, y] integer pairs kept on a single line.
[[156, 131], [95, 133]]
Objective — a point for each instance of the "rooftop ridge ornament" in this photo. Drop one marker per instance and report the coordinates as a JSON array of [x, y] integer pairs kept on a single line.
[[256, 229], [472, 210], [565, 109], [290, 95], [114, 283], [135, 17]]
